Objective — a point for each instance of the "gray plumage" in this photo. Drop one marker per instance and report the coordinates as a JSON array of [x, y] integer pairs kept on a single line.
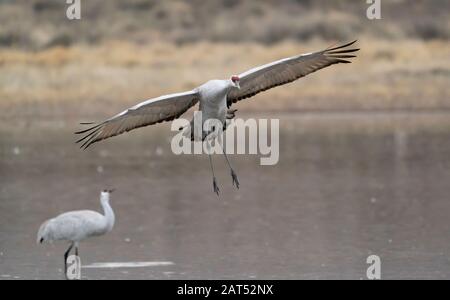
[[215, 97], [76, 226]]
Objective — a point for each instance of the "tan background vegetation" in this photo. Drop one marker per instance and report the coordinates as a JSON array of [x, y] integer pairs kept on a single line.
[[122, 52]]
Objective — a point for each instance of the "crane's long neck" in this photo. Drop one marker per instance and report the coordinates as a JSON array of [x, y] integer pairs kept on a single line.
[[109, 214]]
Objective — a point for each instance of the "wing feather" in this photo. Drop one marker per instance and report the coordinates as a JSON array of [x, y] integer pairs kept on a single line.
[[287, 70], [149, 112]]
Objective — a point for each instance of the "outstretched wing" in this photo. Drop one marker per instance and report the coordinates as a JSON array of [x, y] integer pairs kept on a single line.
[[152, 111], [287, 70]]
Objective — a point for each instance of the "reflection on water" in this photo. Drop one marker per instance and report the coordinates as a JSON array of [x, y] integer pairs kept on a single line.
[[346, 186], [137, 264]]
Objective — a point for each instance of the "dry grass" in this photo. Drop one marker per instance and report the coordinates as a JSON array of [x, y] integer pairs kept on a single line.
[[101, 80], [123, 52], [38, 24]]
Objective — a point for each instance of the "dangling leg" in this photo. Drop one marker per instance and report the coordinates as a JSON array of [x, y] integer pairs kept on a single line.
[[215, 187], [66, 255], [233, 174], [76, 251]]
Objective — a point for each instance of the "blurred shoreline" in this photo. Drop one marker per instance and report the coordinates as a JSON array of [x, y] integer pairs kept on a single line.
[[121, 53], [99, 81]]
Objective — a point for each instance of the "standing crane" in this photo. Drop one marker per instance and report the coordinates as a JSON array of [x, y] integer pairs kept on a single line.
[[76, 226]]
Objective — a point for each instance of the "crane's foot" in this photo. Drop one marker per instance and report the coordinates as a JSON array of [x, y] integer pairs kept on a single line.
[[65, 268], [215, 186], [65, 273], [235, 179], [66, 276]]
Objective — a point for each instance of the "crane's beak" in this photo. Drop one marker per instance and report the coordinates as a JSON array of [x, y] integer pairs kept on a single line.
[[238, 85]]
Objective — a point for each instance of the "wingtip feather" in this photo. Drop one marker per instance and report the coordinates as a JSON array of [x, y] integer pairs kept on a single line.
[[331, 48]]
